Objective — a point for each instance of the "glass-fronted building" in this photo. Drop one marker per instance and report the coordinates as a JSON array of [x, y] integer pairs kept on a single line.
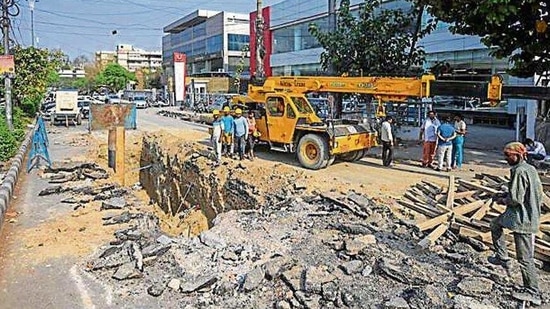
[[212, 41]]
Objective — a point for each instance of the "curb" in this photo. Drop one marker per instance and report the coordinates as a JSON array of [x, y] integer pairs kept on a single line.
[[7, 187]]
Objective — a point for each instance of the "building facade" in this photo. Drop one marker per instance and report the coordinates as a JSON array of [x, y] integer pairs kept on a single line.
[[131, 58], [292, 50], [212, 41]]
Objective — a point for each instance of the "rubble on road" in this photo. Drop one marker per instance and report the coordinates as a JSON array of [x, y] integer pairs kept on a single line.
[[464, 210], [283, 257]]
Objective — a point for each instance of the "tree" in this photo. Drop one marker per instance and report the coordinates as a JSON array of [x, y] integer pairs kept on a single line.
[[514, 29], [377, 42], [115, 76], [35, 70]]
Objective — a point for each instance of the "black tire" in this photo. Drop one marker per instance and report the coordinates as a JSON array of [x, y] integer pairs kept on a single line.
[[78, 120], [312, 151], [348, 156], [331, 160]]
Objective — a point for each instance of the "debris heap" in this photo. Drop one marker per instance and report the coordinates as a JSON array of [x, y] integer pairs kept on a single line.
[[329, 250], [466, 208]]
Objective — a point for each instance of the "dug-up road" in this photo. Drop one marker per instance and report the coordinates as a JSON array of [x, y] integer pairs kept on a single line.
[[43, 240]]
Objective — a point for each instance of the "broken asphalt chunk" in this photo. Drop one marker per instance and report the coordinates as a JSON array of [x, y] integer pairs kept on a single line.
[[113, 203], [198, 283], [126, 271]]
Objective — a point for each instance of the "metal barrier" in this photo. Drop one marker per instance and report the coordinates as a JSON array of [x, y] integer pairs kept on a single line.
[[39, 146]]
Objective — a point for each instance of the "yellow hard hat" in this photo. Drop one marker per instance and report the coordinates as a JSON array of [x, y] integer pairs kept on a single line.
[[226, 109], [238, 111], [216, 112]]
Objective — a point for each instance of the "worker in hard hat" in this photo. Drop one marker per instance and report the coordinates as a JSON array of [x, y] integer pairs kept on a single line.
[[228, 130], [216, 134], [241, 132]]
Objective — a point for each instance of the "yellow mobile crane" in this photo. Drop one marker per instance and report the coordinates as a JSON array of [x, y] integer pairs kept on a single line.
[[288, 123]]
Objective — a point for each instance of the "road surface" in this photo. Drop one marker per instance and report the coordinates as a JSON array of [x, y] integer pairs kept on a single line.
[[44, 241]]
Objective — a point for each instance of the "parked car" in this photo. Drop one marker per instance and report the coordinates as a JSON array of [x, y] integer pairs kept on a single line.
[[84, 106], [114, 99], [140, 102]]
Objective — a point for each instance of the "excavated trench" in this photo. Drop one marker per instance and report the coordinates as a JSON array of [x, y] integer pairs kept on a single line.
[[181, 180]]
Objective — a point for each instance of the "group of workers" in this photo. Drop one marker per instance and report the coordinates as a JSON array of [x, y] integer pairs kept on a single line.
[[228, 133], [444, 139]]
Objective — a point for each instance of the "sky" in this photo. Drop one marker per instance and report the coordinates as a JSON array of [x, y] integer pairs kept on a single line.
[[82, 27]]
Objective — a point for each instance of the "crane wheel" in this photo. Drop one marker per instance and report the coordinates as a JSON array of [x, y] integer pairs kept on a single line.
[[313, 152]]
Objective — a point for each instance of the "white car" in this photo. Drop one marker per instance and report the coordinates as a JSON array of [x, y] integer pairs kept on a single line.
[[114, 99], [140, 102]]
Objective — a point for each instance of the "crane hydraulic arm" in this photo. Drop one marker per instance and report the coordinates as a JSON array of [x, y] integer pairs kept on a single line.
[[384, 89]]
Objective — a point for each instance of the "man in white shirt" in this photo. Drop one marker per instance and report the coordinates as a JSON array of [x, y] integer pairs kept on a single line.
[[535, 150], [387, 141], [216, 135], [428, 136]]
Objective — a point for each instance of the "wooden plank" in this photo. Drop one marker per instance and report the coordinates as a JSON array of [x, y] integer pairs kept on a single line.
[[481, 212], [461, 210], [431, 223], [498, 208], [431, 238], [451, 192], [545, 218], [465, 194], [430, 213], [468, 232], [545, 228], [478, 186], [413, 197]]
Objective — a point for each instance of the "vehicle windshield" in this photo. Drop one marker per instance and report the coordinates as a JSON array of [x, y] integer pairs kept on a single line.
[[302, 105], [113, 97], [139, 98]]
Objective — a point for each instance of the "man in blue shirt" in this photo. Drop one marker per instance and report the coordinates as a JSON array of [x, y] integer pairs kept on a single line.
[[241, 132], [228, 128], [445, 135]]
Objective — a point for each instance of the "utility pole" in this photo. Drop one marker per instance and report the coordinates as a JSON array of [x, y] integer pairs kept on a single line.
[[260, 46], [7, 79], [332, 26], [31, 6]]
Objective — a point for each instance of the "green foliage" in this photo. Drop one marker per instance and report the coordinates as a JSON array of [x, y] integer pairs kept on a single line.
[[115, 76], [377, 42], [9, 141], [35, 70], [507, 27]]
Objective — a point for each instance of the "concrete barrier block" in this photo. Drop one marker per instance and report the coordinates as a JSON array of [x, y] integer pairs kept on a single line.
[[3, 205], [5, 195], [4, 202], [13, 171], [9, 185]]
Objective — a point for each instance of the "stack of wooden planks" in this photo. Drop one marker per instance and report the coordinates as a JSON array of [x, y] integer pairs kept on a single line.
[[467, 209]]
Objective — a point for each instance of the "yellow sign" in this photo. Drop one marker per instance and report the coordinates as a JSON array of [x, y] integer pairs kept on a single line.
[[7, 64]]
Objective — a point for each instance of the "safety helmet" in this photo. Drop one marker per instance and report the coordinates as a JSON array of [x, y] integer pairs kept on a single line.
[[216, 112], [226, 109], [238, 111]]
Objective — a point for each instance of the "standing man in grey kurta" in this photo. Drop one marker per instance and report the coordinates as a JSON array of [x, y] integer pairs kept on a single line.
[[522, 217]]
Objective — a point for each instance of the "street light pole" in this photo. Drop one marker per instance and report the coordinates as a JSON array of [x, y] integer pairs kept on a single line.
[[31, 6], [7, 79]]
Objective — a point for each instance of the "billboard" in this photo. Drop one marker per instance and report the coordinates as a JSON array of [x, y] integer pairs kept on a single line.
[[108, 116], [180, 62], [7, 64]]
